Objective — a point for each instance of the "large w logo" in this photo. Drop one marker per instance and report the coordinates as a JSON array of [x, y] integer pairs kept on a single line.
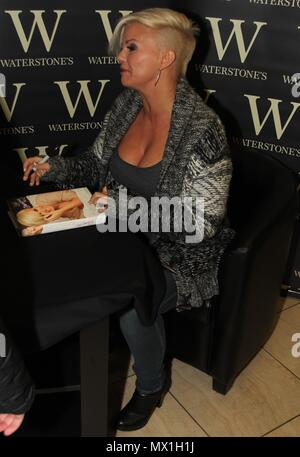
[[273, 111], [106, 22], [39, 23], [84, 90], [9, 110], [235, 32]]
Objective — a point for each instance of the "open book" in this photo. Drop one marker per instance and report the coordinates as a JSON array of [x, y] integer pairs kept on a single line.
[[53, 211]]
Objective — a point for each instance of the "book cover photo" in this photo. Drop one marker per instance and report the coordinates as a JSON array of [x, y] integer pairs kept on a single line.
[[53, 211]]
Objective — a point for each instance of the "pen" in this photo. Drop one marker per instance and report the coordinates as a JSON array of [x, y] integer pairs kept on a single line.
[[44, 160]]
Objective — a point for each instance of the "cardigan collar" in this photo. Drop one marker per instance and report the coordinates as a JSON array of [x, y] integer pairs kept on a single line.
[[183, 108]]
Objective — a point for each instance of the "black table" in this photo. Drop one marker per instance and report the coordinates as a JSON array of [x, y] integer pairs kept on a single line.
[[60, 283]]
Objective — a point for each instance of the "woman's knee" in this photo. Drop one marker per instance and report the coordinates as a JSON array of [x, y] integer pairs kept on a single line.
[[130, 321]]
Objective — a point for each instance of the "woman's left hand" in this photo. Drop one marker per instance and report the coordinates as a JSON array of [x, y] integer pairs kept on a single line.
[[100, 199], [53, 215], [44, 209]]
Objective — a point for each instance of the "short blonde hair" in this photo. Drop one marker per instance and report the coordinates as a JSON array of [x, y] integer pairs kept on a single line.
[[178, 32]]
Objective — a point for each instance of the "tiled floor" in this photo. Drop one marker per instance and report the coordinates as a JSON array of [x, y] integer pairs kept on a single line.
[[264, 401]]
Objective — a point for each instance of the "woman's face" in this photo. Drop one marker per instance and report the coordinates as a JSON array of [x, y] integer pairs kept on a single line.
[[140, 56]]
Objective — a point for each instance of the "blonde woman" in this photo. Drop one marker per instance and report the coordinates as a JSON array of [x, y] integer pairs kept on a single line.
[[159, 139], [51, 206]]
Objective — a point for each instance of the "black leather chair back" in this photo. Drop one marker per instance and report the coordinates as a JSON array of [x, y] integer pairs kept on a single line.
[[262, 208], [261, 187]]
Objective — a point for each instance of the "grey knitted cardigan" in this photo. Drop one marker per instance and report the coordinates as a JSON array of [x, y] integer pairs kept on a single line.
[[196, 162]]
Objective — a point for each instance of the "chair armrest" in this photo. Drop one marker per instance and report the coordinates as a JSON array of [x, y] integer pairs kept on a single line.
[[262, 225]]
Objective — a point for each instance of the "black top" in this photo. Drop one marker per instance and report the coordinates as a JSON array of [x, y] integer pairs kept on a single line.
[[139, 181], [143, 182]]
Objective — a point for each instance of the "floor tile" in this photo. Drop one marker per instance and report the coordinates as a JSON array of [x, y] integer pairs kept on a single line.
[[264, 396], [287, 302], [291, 429], [280, 344], [170, 420], [292, 316]]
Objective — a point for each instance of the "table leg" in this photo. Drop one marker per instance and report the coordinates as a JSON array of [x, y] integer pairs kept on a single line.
[[94, 352]]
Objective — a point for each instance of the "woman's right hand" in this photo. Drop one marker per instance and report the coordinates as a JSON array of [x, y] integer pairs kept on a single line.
[[32, 166], [53, 215]]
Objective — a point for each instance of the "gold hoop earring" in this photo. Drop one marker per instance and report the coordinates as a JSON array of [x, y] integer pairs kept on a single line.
[[157, 78]]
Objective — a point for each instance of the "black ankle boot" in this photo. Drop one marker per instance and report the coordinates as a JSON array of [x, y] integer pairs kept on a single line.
[[140, 408]]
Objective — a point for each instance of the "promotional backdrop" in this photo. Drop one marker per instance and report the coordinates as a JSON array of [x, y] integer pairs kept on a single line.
[[57, 79]]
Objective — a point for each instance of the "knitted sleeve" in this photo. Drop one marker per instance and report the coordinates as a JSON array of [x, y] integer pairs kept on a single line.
[[208, 176]]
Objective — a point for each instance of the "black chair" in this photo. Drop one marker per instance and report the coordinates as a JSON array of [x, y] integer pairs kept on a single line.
[[262, 209]]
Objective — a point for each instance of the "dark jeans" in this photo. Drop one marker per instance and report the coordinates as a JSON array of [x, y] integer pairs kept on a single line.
[[148, 343]]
